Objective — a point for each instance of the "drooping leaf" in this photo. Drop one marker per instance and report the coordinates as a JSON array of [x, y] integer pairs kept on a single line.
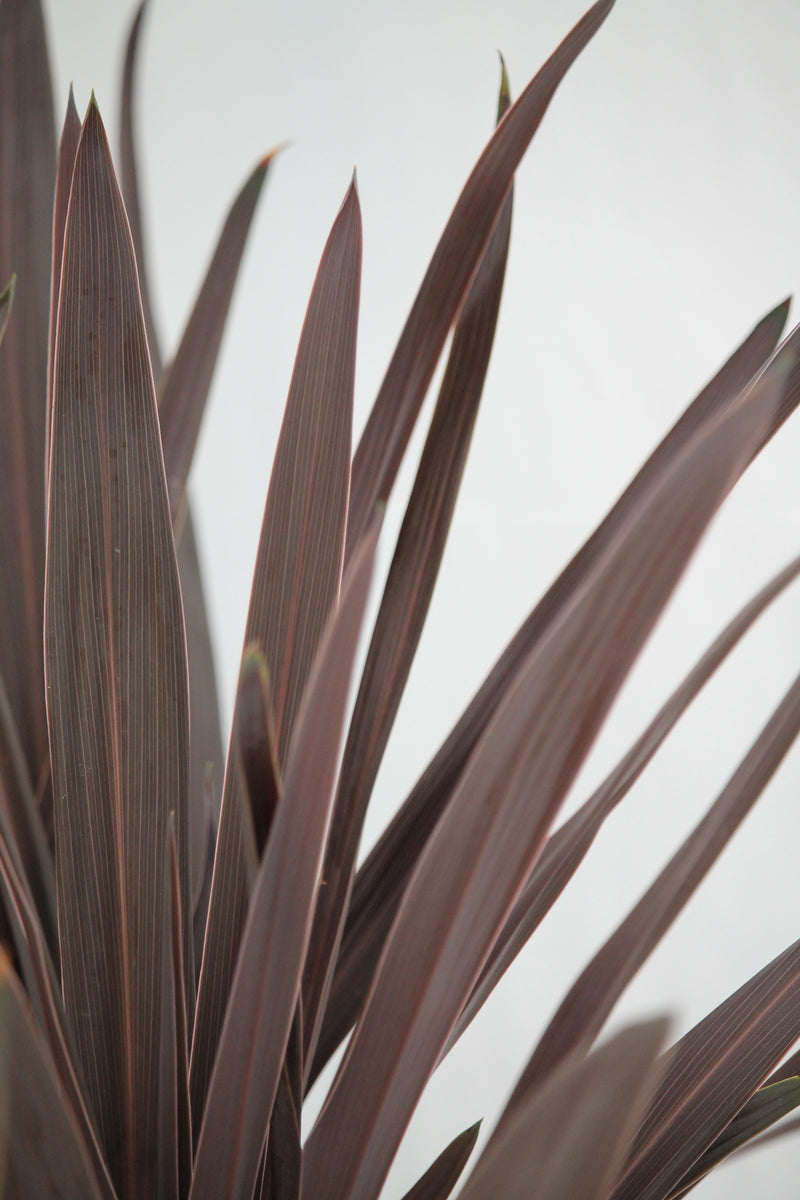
[[266, 984], [567, 847], [43, 1154], [129, 181], [404, 606], [483, 848], [116, 671], [766, 1107], [67, 149], [382, 879], [570, 1138], [710, 1075], [184, 387], [27, 179], [442, 1176], [296, 582], [447, 278], [583, 1012]]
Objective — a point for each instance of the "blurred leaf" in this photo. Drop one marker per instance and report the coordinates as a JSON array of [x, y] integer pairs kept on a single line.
[[129, 181], [116, 671], [447, 279], [296, 583], [27, 179], [401, 617], [765, 1108], [67, 149], [569, 1139], [6, 302], [184, 387], [43, 1152], [566, 849], [711, 1073], [382, 879], [583, 1012], [476, 862], [442, 1176], [265, 987]]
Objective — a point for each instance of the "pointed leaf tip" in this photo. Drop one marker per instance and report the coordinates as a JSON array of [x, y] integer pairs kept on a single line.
[[504, 98]]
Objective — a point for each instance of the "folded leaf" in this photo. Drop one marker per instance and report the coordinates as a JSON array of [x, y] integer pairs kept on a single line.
[[265, 987], [296, 583], [116, 671], [382, 879], [442, 1176], [568, 1140], [483, 848]]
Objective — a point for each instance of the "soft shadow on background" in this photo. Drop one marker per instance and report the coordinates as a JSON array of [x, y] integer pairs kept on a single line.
[[655, 223]]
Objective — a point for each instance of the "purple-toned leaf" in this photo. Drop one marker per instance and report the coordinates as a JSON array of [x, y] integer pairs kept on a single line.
[[116, 671], [382, 879], [129, 180], [404, 607], [711, 1073], [45, 996], [67, 149], [566, 849], [43, 1151], [476, 862], [296, 582], [175, 1137], [27, 180], [201, 900], [184, 386], [766, 1107], [205, 741], [442, 1176], [569, 1140], [6, 302], [266, 984], [447, 278], [584, 1010], [283, 1171], [258, 754]]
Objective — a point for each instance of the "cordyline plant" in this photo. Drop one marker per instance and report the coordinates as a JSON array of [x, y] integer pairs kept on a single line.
[[180, 959]]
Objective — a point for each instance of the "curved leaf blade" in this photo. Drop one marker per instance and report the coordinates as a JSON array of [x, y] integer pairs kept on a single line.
[[484, 847], [447, 279], [296, 582], [265, 987], [116, 670]]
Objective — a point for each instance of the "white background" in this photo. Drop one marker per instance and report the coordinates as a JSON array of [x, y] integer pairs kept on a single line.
[[655, 222]]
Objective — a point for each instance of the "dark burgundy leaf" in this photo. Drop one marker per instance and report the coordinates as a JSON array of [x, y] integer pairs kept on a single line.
[[284, 1165], [117, 682], [258, 754], [442, 1176]]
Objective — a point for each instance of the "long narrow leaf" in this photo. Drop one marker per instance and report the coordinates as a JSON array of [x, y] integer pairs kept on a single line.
[[484, 847], [442, 1176], [296, 582], [566, 849], [569, 1140], [404, 607], [6, 302], [267, 980], [591, 998], [184, 387], [711, 1074], [768, 1105], [27, 180], [284, 1164], [116, 670], [382, 879], [129, 180], [447, 278], [43, 1150]]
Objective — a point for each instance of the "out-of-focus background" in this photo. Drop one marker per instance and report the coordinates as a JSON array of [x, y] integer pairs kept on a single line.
[[655, 222]]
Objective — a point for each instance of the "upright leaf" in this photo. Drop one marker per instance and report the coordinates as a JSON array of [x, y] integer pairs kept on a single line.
[[116, 671], [483, 848], [458, 253], [442, 1176], [266, 984], [572, 1136], [405, 602], [6, 302], [296, 582], [27, 178], [382, 879]]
